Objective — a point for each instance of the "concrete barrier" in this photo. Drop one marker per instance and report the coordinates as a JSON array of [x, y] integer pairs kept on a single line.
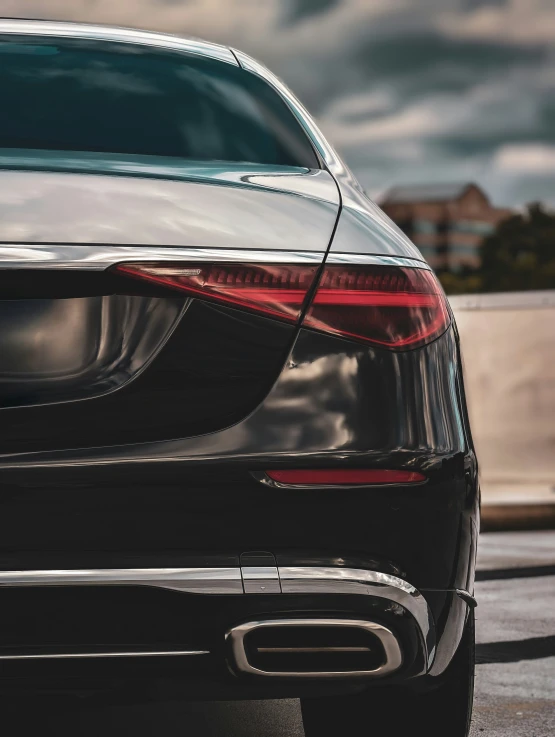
[[508, 345]]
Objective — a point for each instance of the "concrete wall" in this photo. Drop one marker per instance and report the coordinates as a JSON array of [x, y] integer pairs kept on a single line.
[[508, 343]]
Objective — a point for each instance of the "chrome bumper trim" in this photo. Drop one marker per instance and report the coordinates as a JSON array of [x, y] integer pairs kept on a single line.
[[261, 580], [105, 654], [328, 580], [190, 580], [393, 656], [250, 580], [467, 598]]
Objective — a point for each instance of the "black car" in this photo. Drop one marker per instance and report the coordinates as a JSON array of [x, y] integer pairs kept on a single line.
[[235, 458]]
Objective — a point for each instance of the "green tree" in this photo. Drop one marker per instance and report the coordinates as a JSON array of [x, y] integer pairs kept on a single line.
[[466, 281], [520, 254]]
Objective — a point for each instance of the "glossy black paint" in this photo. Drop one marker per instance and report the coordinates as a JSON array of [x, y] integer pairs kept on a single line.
[[149, 368], [105, 342], [334, 398], [335, 401]]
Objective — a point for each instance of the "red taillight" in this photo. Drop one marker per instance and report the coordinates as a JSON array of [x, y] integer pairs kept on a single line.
[[344, 477], [393, 307], [390, 306], [277, 290]]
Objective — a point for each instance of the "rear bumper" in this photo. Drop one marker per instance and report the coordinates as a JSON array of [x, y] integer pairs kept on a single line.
[[194, 504], [307, 580], [174, 622]]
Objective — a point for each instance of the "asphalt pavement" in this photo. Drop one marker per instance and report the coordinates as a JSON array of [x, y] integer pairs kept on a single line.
[[515, 686]]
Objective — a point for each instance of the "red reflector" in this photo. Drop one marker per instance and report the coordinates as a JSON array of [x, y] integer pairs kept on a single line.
[[278, 290], [346, 477], [393, 307]]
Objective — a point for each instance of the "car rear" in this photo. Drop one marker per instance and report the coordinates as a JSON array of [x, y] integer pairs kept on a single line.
[[234, 443]]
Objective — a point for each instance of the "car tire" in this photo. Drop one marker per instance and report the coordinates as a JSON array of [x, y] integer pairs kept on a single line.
[[397, 711]]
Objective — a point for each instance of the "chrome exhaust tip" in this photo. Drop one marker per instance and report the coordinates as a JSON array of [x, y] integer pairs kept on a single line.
[[313, 648]]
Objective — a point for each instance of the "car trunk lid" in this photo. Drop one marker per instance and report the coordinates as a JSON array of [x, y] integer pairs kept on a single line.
[[91, 358]]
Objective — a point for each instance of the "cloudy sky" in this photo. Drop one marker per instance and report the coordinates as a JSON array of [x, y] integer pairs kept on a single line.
[[406, 90]]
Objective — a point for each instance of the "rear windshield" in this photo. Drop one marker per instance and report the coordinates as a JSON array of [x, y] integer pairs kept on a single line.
[[78, 95]]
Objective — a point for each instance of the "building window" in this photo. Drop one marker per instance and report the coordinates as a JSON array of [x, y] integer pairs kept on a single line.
[[463, 249], [472, 226], [424, 226], [427, 250]]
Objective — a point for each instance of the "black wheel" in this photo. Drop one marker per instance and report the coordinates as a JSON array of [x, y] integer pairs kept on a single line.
[[397, 711]]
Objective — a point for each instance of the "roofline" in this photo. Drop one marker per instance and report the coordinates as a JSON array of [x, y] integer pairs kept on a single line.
[[95, 32]]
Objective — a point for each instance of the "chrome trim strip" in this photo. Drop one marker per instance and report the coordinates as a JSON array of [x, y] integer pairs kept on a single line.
[[106, 654], [361, 259], [312, 649], [393, 656], [190, 580], [249, 580], [329, 580], [100, 257], [120, 35], [467, 598], [261, 580]]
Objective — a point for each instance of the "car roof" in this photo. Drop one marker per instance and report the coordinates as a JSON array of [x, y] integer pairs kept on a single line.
[[62, 29]]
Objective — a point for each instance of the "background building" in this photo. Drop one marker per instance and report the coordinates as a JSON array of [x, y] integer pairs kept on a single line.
[[447, 222]]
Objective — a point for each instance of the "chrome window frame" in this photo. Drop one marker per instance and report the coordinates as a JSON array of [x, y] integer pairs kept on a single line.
[[97, 32]]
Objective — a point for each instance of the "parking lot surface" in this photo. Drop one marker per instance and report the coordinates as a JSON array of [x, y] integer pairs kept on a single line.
[[515, 675]]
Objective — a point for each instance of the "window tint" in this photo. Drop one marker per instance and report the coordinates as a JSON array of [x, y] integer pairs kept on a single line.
[[80, 95]]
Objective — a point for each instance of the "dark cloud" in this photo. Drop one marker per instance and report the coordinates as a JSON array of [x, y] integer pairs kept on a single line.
[[297, 10], [423, 54], [477, 4]]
